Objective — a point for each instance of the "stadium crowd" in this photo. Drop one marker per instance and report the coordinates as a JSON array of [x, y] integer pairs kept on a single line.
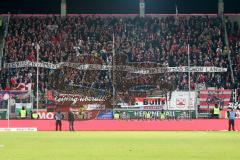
[[141, 42]]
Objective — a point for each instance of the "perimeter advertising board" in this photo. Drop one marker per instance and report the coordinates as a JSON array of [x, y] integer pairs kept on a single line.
[[171, 114], [85, 114], [3, 114]]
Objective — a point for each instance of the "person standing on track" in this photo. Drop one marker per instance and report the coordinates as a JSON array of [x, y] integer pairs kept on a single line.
[[231, 117], [58, 117], [71, 119]]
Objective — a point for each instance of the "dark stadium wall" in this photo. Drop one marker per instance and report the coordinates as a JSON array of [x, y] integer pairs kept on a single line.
[[115, 6]]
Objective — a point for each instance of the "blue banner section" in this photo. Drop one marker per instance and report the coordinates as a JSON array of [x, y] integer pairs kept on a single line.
[[105, 115], [16, 95], [12, 93], [3, 114]]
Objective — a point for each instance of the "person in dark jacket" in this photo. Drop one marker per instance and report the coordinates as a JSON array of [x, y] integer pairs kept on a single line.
[[71, 120]]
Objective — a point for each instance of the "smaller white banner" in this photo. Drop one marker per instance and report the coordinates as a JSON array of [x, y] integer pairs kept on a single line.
[[179, 101], [18, 129]]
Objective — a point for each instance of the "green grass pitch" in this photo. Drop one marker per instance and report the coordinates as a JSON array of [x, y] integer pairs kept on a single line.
[[119, 145]]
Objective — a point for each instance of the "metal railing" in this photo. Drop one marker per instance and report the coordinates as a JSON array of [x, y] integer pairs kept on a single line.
[[228, 48], [3, 37]]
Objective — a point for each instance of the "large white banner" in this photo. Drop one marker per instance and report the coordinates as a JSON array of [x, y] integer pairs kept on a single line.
[[130, 69], [61, 98], [180, 100]]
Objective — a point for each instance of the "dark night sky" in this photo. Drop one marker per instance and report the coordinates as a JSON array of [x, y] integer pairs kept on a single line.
[[117, 6]]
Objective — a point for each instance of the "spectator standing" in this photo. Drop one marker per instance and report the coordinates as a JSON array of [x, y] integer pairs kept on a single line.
[[216, 111], [162, 115], [34, 115], [1, 25], [23, 113]]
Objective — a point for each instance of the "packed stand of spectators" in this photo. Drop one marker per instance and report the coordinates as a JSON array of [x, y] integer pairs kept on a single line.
[[141, 42], [233, 31]]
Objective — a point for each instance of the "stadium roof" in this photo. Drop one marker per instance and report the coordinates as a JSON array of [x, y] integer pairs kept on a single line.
[[116, 6]]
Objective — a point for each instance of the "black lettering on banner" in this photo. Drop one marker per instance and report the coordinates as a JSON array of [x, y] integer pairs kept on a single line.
[[118, 67]]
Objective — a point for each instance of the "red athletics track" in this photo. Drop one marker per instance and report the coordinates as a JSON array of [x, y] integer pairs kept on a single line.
[[132, 125]]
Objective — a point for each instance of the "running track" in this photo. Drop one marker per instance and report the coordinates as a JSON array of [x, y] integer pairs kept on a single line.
[[131, 125]]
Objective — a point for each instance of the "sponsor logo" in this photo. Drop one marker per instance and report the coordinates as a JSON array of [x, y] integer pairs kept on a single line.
[[149, 101], [46, 115], [152, 107], [181, 102]]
